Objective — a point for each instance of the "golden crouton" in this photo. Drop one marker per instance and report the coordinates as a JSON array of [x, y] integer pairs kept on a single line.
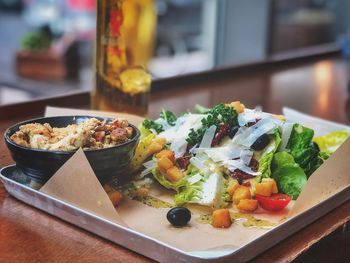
[[155, 147], [142, 192], [232, 186], [267, 187], [166, 153], [115, 197], [273, 184], [174, 174], [107, 188], [242, 192], [263, 188], [164, 164], [221, 218], [238, 106], [247, 205]]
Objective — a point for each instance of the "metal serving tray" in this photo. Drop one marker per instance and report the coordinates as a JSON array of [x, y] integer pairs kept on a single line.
[[17, 184]]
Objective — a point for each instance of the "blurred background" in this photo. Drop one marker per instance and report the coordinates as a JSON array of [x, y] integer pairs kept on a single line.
[[191, 36]]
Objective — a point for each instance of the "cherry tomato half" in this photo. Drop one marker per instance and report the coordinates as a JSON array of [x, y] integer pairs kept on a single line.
[[274, 202]]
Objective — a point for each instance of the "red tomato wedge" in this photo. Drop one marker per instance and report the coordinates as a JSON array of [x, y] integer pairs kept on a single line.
[[274, 202]]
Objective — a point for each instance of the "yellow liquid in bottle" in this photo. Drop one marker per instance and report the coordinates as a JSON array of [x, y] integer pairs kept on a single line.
[[124, 45]]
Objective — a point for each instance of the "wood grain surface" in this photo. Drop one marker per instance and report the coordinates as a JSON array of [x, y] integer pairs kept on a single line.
[[318, 87]]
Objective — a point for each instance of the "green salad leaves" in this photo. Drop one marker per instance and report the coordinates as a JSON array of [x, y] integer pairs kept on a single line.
[[289, 176], [303, 150], [267, 155], [152, 125], [220, 114], [168, 116]]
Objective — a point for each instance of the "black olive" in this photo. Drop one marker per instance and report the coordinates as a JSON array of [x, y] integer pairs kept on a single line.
[[233, 131], [179, 216], [261, 142]]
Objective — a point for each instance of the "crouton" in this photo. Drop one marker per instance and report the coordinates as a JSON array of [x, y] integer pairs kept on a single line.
[[242, 192], [221, 218], [232, 186], [267, 187], [247, 205], [164, 164], [115, 197], [166, 153], [238, 106], [174, 174]]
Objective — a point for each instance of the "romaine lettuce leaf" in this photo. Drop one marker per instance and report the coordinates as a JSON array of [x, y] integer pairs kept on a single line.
[[289, 176], [208, 189], [303, 150], [266, 155], [166, 183], [141, 151], [330, 142]]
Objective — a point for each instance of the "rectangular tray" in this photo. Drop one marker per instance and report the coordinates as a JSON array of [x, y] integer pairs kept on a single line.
[[17, 184]]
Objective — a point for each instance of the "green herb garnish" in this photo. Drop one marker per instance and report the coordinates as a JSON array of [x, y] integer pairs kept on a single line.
[[169, 117], [152, 125], [220, 114]]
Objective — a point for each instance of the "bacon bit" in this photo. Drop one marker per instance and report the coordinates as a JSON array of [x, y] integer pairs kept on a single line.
[[247, 184], [254, 164], [184, 161], [240, 176], [223, 131]]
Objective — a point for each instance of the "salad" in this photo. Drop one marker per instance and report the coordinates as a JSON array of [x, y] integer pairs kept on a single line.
[[231, 156]]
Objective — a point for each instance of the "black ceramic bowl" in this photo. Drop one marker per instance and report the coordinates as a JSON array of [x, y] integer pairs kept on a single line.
[[40, 165]]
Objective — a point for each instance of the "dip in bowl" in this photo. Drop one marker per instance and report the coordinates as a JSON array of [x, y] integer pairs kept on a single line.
[[39, 157]]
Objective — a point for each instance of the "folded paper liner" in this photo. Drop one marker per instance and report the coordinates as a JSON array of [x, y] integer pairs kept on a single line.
[[75, 181]]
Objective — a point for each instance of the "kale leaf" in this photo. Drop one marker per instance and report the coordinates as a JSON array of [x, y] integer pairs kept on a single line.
[[220, 114], [152, 126], [169, 117]]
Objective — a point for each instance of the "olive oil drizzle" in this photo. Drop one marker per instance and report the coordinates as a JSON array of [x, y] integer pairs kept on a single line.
[[154, 202], [249, 220]]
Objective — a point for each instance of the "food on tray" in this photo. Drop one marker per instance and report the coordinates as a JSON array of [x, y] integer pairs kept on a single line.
[[230, 156], [90, 134], [179, 216], [221, 218]]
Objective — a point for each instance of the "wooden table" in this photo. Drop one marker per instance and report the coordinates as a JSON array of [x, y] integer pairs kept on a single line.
[[317, 86]]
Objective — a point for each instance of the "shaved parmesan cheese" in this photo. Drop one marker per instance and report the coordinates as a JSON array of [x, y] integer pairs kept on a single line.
[[164, 123], [246, 117], [286, 132], [208, 137], [212, 190], [146, 171], [246, 156], [179, 147], [222, 153], [182, 127], [194, 178], [197, 163], [151, 163], [237, 164], [193, 148], [247, 136], [202, 157]]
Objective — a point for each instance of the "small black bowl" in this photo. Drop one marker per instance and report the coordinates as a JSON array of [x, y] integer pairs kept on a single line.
[[40, 165]]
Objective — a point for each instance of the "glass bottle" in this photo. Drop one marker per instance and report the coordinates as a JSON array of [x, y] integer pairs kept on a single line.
[[124, 45]]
